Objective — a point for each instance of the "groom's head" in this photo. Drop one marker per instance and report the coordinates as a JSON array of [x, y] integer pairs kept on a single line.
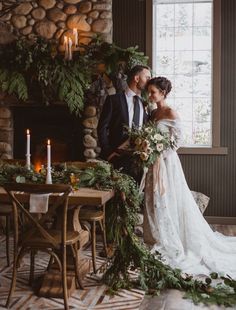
[[138, 77]]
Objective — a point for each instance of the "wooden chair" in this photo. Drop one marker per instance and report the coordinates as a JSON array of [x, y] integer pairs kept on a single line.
[[35, 235], [6, 212], [93, 217], [6, 209]]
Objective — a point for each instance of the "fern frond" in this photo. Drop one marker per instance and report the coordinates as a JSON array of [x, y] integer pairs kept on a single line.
[[13, 83]]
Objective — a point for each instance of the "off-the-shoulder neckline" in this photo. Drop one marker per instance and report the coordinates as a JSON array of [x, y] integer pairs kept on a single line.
[[168, 119]]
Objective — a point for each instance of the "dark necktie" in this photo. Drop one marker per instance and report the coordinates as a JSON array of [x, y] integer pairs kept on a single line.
[[136, 112]]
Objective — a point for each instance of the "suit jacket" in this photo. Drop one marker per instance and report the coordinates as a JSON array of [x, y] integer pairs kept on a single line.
[[113, 118]]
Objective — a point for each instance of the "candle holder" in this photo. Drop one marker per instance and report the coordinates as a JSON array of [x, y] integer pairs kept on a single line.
[[49, 176], [28, 164]]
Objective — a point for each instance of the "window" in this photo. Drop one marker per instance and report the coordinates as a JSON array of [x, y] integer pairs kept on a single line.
[[183, 48]]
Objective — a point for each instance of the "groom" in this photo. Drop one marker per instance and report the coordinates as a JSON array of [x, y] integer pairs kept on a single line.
[[122, 109]]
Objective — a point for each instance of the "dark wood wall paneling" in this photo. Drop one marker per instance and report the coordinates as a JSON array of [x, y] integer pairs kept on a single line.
[[213, 175], [129, 23]]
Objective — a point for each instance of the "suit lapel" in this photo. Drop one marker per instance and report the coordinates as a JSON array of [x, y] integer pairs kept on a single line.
[[124, 107], [125, 112], [145, 115]]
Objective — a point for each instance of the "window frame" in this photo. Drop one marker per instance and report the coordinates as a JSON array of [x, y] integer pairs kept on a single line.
[[216, 148]]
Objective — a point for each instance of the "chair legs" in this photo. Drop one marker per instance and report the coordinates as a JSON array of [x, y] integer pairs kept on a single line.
[[13, 281], [94, 245], [64, 279], [32, 259], [8, 239], [104, 238], [76, 262]]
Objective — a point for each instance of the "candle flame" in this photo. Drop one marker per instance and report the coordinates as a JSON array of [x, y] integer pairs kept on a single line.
[[37, 166], [49, 142], [27, 132], [65, 39]]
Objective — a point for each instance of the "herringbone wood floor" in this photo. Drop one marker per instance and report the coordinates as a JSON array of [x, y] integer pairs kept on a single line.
[[94, 295]]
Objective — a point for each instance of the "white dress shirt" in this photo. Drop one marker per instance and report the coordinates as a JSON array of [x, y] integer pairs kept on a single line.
[[129, 94]]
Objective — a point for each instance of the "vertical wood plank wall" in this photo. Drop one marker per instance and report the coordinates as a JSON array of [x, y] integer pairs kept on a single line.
[[213, 175]]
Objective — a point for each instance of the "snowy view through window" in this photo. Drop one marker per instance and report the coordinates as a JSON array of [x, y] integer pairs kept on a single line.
[[182, 52]]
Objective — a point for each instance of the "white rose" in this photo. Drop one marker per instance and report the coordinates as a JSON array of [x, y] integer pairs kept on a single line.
[[158, 137], [159, 147]]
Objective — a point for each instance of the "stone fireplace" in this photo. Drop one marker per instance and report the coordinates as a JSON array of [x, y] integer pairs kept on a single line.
[[53, 20]]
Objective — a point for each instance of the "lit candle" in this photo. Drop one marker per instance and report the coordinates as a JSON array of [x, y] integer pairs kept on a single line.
[[48, 155], [70, 49], [49, 175], [28, 142], [66, 46], [75, 33], [28, 149]]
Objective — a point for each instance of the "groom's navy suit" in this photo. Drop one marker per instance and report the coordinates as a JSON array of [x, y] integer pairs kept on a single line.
[[111, 132]]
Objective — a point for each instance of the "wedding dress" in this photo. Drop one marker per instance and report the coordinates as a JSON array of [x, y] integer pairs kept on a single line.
[[173, 223]]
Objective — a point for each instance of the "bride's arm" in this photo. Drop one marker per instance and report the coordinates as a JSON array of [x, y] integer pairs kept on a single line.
[[175, 128]]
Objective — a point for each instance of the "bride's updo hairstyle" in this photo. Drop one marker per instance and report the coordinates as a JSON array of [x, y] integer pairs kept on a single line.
[[162, 83]]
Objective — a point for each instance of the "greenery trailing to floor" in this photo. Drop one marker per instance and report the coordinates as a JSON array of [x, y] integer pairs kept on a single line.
[[130, 252], [35, 71]]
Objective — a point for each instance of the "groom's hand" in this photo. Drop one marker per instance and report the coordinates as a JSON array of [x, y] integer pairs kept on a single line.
[[112, 156]]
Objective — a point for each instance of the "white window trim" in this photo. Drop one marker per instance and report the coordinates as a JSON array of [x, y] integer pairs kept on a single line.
[[216, 148]]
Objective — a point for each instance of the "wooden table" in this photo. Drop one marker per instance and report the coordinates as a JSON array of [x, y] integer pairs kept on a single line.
[[82, 196]]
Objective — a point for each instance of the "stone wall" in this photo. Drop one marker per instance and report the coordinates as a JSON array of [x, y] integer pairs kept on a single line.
[[99, 90], [6, 133], [53, 19]]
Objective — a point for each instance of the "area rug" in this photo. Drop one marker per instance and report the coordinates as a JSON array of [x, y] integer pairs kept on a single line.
[[94, 296]]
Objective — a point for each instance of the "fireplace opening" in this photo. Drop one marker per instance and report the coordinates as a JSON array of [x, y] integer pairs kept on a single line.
[[56, 123]]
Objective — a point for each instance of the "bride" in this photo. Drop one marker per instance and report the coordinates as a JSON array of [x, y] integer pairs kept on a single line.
[[173, 224]]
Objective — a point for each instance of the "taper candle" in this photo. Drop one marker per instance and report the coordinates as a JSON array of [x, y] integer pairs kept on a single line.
[[49, 154], [27, 149], [75, 33], [70, 49], [66, 47], [49, 175], [27, 142]]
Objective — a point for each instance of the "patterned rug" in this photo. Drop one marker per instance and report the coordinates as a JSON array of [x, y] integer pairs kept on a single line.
[[92, 297]]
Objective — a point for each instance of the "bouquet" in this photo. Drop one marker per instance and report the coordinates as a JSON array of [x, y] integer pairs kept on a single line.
[[148, 142]]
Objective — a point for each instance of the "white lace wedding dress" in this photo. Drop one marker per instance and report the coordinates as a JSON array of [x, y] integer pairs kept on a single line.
[[173, 224]]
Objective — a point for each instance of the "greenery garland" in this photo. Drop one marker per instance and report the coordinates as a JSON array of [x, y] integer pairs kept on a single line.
[[130, 252], [34, 70]]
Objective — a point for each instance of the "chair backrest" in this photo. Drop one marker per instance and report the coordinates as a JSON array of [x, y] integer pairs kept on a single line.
[[37, 225]]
